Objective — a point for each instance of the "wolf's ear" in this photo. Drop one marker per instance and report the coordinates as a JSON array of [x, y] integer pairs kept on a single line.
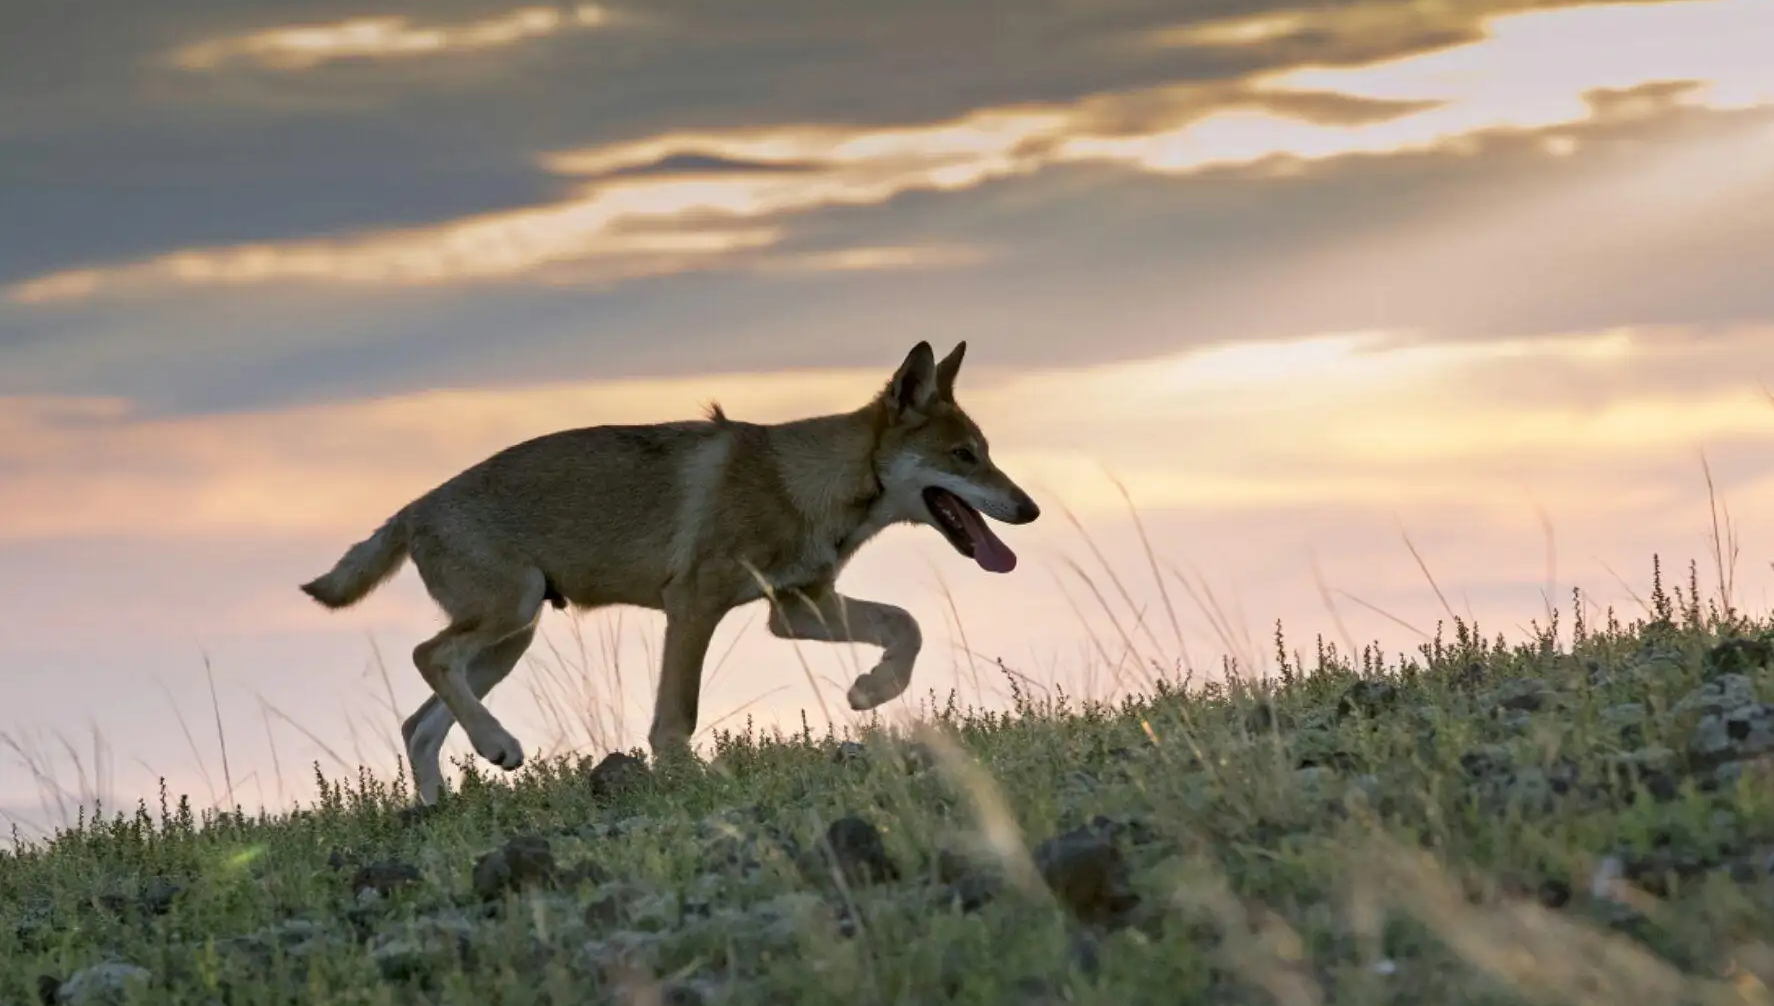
[[913, 387], [946, 370]]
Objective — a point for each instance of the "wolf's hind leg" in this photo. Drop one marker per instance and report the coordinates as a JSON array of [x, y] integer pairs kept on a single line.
[[425, 731], [485, 611]]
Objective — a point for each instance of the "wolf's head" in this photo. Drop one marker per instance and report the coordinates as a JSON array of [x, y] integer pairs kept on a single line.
[[936, 467]]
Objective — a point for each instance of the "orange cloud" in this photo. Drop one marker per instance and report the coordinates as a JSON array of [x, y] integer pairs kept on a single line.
[[1531, 71], [1250, 425], [306, 46]]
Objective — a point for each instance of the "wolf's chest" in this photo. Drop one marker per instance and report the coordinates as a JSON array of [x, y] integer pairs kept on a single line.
[[814, 561]]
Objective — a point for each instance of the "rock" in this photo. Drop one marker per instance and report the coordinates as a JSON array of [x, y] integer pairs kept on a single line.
[[967, 883], [681, 993], [1088, 875], [1262, 717], [428, 942], [1605, 883], [1471, 677], [655, 911], [1497, 782], [1653, 871], [1488, 761], [1720, 695], [1537, 789], [1627, 720], [1367, 697], [919, 757], [1652, 758], [1745, 871], [744, 851], [626, 948], [857, 851], [609, 906], [845, 920], [972, 891], [1513, 721], [383, 877], [1553, 893], [156, 897], [418, 813], [849, 751], [1085, 952], [1369, 790], [1312, 778], [1523, 695], [586, 872], [1738, 655], [289, 938], [524, 861], [618, 773], [1034, 991], [1738, 734], [1324, 755], [782, 920], [1654, 768], [1730, 772], [1654, 667], [1082, 784], [1131, 830], [101, 983]]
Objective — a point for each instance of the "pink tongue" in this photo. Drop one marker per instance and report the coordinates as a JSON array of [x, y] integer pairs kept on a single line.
[[992, 555]]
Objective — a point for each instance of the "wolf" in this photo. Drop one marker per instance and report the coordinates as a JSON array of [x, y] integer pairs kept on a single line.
[[692, 518]]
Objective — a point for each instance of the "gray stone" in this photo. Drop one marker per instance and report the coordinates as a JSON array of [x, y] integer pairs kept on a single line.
[[1742, 732], [525, 861], [1525, 695], [1626, 714], [426, 942], [1720, 695], [101, 983]]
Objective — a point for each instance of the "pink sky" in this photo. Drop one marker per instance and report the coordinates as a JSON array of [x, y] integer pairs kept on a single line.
[[1474, 294]]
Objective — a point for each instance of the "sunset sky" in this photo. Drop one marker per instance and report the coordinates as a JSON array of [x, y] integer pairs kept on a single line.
[[1305, 280]]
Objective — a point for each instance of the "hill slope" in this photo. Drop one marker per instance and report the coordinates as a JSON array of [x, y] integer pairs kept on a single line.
[[1553, 821]]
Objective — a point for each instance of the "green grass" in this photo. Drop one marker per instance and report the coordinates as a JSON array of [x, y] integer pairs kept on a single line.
[[1577, 817]]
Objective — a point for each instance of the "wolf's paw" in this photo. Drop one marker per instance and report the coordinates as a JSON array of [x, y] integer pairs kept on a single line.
[[875, 688], [500, 748]]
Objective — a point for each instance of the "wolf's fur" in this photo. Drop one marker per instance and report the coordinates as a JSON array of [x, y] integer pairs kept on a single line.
[[691, 518]]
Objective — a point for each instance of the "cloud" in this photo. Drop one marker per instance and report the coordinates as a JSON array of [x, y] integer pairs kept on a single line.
[[1659, 221], [1520, 77], [1358, 32], [1403, 420], [1532, 71], [307, 46]]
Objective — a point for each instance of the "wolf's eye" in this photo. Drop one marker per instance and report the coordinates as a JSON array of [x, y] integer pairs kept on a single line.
[[964, 455]]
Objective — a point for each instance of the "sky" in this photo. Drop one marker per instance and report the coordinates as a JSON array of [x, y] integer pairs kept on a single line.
[[1375, 311]]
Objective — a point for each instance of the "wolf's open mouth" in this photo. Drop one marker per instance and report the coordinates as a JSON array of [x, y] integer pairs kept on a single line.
[[966, 530]]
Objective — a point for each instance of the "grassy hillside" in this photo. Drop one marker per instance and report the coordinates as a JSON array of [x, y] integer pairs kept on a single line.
[[1578, 817]]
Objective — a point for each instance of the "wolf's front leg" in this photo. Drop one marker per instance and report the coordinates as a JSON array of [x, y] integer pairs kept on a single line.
[[829, 616]]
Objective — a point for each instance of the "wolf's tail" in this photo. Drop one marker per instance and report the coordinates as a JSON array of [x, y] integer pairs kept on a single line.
[[364, 566]]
